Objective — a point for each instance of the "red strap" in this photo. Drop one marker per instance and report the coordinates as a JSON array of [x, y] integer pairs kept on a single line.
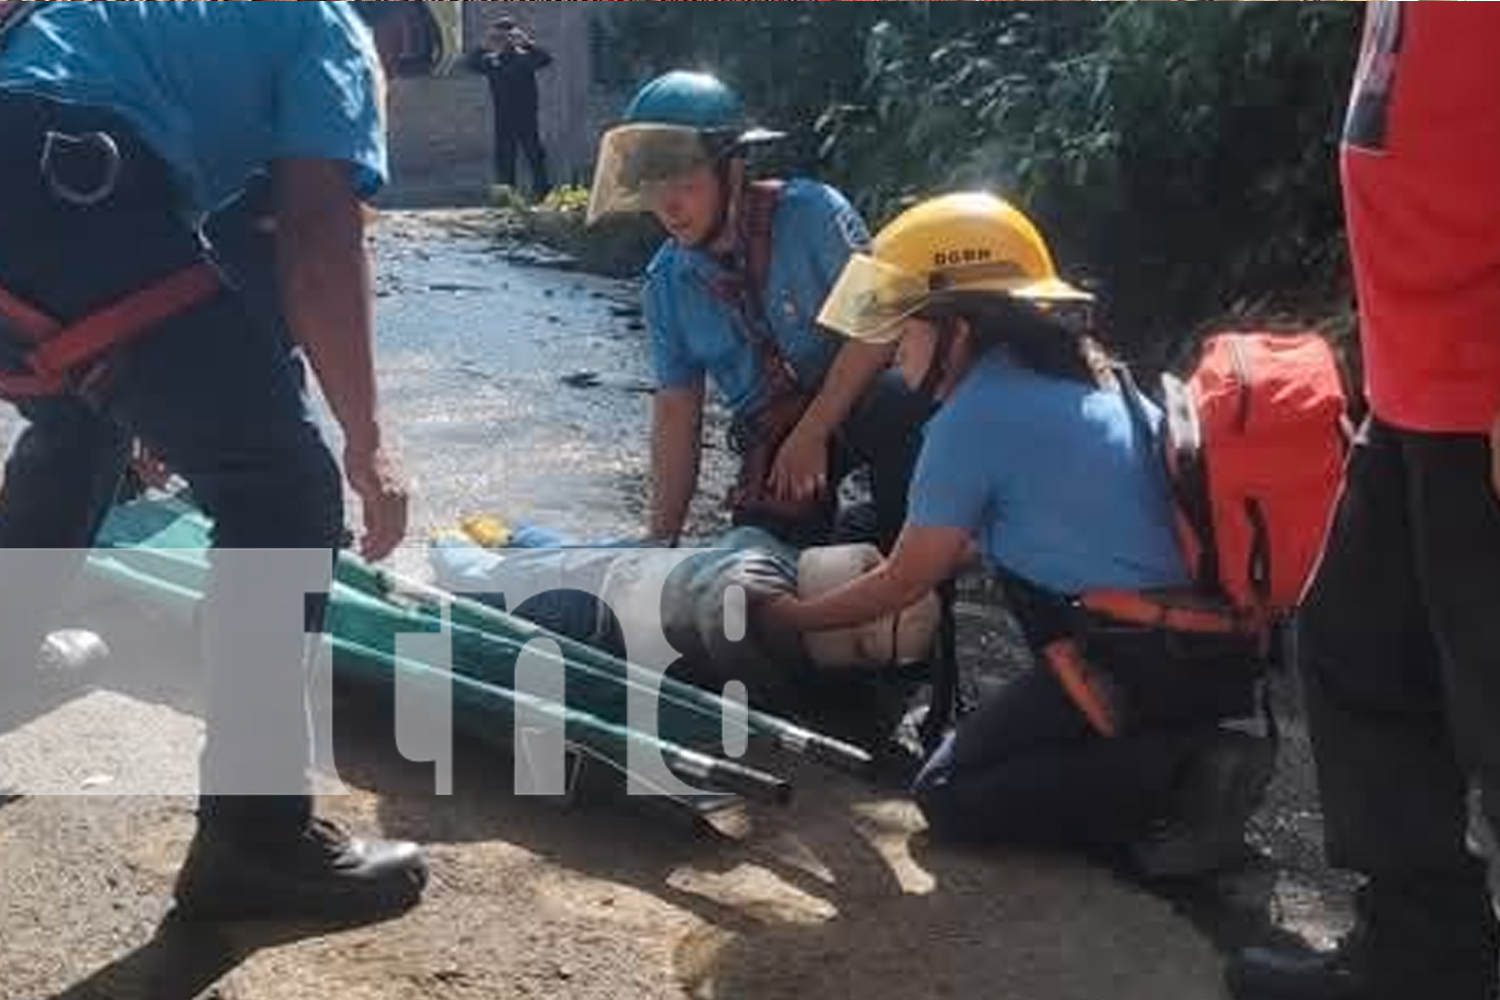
[[1148, 611], [61, 350], [13, 386], [757, 236], [1089, 690], [762, 199], [36, 326], [125, 320], [30, 322]]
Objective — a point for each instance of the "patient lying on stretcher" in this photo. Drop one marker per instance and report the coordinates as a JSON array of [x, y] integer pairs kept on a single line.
[[690, 611]]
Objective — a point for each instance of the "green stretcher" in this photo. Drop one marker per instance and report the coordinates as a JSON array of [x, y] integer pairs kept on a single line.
[[155, 551]]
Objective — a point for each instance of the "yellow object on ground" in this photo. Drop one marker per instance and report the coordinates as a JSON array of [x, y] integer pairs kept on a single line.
[[487, 531]]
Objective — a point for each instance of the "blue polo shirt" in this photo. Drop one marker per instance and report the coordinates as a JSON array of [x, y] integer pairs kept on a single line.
[[218, 88], [695, 333], [1053, 480]]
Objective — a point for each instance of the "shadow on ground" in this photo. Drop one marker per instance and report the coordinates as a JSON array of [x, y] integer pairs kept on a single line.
[[840, 894]]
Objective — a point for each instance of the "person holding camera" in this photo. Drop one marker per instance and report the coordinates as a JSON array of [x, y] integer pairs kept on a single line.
[[510, 59]]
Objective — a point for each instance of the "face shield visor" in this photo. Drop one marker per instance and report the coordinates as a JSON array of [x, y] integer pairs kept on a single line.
[[637, 161], [872, 299]]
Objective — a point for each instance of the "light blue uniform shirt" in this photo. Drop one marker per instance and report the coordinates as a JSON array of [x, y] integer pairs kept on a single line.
[[1054, 481], [696, 333], [218, 88]]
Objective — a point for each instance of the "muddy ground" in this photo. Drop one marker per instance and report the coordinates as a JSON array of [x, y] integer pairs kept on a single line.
[[519, 391]]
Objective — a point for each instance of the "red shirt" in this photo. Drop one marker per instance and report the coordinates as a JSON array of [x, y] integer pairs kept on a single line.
[[1422, 188]]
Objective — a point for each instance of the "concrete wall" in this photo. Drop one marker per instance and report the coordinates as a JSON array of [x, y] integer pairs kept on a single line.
[[441, 132]]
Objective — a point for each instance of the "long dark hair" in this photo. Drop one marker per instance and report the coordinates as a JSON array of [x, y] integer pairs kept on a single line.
[[1046, 344]]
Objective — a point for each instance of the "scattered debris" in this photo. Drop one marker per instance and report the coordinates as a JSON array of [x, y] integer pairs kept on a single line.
[[455, 286], [593, 380]]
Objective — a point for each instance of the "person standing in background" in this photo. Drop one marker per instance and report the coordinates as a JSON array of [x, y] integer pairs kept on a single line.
[[510, 59]]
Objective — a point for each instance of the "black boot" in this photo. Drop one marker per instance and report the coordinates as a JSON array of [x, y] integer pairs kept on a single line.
[[1406, 946], [319, 874], [1205, 834]]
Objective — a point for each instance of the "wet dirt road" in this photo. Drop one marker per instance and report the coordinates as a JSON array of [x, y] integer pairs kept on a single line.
[[514, 390]]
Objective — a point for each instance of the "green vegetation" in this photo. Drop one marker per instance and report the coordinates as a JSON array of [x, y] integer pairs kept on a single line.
[[1182, 157]]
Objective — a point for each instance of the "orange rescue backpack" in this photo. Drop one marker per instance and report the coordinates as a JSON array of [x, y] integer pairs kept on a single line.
[[1256, 441]]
